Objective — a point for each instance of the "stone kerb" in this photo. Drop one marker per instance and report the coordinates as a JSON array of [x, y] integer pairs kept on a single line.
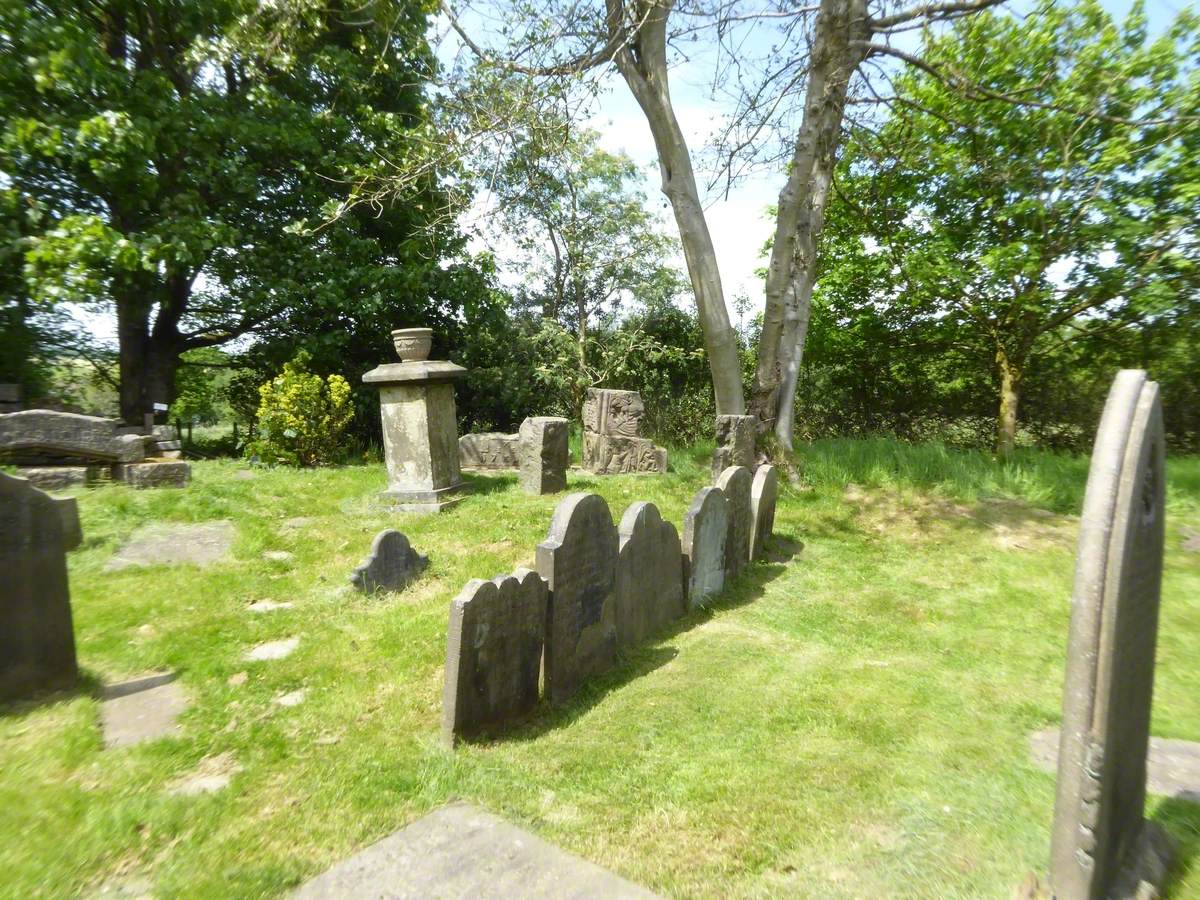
[[649, 587], [1101, 845], [735, 483], [705, 528], [578, 559], [764, 493]]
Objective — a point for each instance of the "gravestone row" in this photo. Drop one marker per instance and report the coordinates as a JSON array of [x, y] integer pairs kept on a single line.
[[598, 589]]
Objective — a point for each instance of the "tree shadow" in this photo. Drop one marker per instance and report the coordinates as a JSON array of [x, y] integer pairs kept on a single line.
[[86, 683], [491, 483], [1180, 816]]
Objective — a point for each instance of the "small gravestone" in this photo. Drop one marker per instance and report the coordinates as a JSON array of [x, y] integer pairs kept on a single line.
[[543, 452], [735, 443], [649, 592], [763, 494], [493, 653], [1101, 844], [37, 643], [391, 565], [735, 483], [705, 526], [579, 561]]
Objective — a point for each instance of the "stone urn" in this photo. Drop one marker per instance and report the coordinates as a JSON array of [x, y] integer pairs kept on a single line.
[[412, 344]]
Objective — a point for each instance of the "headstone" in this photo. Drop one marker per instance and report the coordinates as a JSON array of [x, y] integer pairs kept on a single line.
[[764, 493], [391, 565], [493, 653], [649, 586], [612, 444], [37, 643], [489, 450], [735, 443], [543, 450], [578, 559], [705, 526], [1101, 845], [735, 483], [158, 474]]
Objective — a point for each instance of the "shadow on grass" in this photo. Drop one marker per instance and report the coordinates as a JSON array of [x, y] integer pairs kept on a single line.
[[1181, 818], [87, 684], [492, 483]]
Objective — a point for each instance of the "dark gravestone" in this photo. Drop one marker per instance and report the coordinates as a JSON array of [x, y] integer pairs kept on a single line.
[[1101, 845], [705, 526], [763, 494], [493, 653], [649, 568], [735, 443], [579, 560], [37, 644], [543, 452], [393, 563], [735, 483]]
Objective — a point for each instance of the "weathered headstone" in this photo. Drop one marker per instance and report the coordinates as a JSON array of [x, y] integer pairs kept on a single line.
[[763, 494], [705, 526], [489, 450], [1101, 845], [37, 644], [391, 565], [579, 561], [735, 443], [493, 653], [649, 592], [735, 483], [612, 444], [161, 473], [543, 450]]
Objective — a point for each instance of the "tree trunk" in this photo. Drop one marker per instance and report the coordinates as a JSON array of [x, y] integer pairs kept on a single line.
[[643, 65], [791, 273], [147, 359], [1010, 394]]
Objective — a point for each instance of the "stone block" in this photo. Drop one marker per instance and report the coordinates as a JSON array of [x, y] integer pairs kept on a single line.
[[160, 446], [705, 528], [735, 483], [156, 474], [391, 565], [763, 495], [735, 443], [37, 436], [649, 584], [55, 478], [612, 443], [544, 453], [489, 450]]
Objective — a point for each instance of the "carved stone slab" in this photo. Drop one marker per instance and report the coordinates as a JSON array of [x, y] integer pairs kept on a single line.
[[735, 443], [42, 435], [489, 450], [392, 564], [763, 494], [705, 526], [1100, 836], [544, 454], [162, 473], [735, 483], [579, 561], [649, 575], [612, 443], [493, 653], [37, 643]]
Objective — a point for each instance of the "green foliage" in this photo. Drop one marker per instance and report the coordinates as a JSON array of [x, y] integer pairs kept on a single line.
[[201, 387], [301, 417]]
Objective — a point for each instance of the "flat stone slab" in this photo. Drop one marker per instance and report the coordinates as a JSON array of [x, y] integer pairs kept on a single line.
[[143, 709], [273, 650], [461, 851], [173, 543], [1172, 766]]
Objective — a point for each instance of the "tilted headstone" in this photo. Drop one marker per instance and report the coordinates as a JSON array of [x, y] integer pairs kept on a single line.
[[544, 452], [763, 494], [391, 565], [579, 561], [1101, 845], [493, 653], [649, 593], [37, 643], [489, 450], [705, 526], [612, 444], [735, 443], [735, 483]]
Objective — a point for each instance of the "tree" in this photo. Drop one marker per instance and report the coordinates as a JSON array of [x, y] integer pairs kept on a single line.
[[1012, 229], [186, 162]]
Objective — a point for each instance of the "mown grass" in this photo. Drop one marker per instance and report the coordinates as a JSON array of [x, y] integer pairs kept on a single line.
[[850, 720]]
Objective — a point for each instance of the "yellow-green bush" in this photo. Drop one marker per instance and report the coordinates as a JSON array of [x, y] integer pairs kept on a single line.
[[301, 417]]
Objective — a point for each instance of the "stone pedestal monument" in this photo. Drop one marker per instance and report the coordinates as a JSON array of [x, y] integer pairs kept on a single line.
[[420, 432]]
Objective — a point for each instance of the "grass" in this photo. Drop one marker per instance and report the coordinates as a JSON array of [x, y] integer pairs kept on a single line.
[[849, 722]]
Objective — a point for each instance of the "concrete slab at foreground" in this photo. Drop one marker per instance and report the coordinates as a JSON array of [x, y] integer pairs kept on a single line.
[[461, 851]]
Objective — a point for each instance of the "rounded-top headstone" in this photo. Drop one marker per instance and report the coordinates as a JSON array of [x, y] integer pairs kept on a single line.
[[649, 591], [705, 526], [735, 482]]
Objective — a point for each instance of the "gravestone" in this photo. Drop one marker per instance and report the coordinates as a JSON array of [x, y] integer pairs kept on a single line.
[[493, 653], [735, 483], [391, 565], [612, 443], [37, 643], [543, 452], [735, 443], [649, 586], [489, 450], [763, 494], [1101, 845], [578, 559], [705, 526]]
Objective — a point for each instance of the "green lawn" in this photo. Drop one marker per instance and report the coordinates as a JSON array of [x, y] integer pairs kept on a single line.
[[849, 722]]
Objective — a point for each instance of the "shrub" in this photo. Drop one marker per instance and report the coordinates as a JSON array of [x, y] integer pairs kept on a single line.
[[301, 417]]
